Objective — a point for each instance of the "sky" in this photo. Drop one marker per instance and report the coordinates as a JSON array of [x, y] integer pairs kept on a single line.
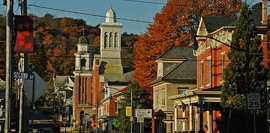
[[135, 15]]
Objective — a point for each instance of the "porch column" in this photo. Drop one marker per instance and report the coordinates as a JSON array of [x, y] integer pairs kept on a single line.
[[210, 118], [175, 118], [191, 128], [201, 111]]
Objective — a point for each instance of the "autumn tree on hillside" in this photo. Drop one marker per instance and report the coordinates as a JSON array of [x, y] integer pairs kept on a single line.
[[128, 41], [174, 26]]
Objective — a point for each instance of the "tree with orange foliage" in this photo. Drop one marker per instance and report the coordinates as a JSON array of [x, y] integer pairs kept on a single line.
[[174, 26]]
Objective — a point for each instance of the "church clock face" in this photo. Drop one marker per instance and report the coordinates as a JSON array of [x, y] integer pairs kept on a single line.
[[84, 48]]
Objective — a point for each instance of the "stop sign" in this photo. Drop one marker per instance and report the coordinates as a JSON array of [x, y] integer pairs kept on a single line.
[[94, 125]]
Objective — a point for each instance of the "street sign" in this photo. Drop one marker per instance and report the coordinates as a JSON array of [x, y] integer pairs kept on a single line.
[[253, 101], [144, 113], [38, 84], [116, 123], [94, 125], [22, 75], [160, 115], [131, 118], [140, 119], [128, 111]]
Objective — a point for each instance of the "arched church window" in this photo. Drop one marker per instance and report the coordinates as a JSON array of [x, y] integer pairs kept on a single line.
[[116, 39], [110, 40], [105, 40]]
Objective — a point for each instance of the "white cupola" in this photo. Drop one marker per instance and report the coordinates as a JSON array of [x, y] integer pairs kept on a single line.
[[83, 56], [110, 16]]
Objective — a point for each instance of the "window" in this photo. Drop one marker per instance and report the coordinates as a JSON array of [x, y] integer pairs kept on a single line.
[[83, 62], [105, 40], [110, 40], [202, 73], [222, 64], [182, 90], [209, 70], [116, 40], [163, 97], [160, 69], [156, 99]]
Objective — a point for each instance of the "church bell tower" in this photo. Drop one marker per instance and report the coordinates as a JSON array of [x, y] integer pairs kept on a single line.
[[110, 44], [82, 92]]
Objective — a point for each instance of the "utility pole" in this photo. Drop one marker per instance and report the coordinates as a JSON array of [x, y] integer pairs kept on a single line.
[[9, 29], [23, 67], [131, 117]]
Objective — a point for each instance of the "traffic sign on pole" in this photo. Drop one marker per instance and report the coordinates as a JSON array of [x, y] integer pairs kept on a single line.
[[116, 123], [253, 101], [94, 125], [128, 111], [144, 112], [140, 119]]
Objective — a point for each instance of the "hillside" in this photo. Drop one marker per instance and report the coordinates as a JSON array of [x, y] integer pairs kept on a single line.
[[55, 41]]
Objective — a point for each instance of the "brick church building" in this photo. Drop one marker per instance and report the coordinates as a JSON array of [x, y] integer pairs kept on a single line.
[[93, 73]]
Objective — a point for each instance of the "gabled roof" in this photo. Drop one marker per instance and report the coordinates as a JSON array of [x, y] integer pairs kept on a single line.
[[212, 23], [184, 72], [178, 53], [62, 81], [257, 14]]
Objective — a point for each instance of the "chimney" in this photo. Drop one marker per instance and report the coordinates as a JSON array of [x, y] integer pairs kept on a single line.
[[264, 12]]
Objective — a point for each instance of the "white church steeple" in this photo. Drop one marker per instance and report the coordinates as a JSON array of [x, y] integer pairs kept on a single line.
[[110, 43]]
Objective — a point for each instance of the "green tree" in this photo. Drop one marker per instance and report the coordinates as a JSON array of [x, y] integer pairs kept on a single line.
[[235, 115], [140, 100]]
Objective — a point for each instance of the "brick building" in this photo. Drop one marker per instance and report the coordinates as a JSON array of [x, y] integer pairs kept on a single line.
[[211, 60]]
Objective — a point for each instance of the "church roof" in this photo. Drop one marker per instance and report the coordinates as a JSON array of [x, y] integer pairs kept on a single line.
[[83, 40]]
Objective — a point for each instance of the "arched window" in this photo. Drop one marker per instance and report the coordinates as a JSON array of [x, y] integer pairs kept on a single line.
[[105, 40], [110, 40], [83, 62], [116, 39]]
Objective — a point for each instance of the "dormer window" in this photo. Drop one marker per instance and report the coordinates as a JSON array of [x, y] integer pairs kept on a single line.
[[166, 66], [182, 90]]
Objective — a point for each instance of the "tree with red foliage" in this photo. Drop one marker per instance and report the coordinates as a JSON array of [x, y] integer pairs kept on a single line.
[[174, 26]]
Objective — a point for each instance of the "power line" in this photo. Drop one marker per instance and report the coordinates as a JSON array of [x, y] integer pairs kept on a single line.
[[88, 14], [160, 3], [149, 2]]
